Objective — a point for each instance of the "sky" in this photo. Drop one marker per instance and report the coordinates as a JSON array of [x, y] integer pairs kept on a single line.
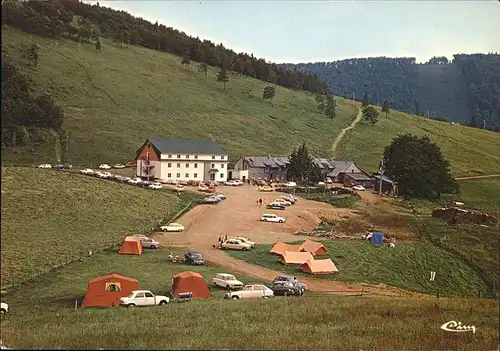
[[312, 31]]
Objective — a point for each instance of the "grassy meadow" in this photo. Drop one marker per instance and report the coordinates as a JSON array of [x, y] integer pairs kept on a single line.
[[471, 151], [406, 266], [50, 217], [45, 308], [116, 98]]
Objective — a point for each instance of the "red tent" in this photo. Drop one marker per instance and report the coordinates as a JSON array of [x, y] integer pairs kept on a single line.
[[190, 282], [131, 246], [106, 290]]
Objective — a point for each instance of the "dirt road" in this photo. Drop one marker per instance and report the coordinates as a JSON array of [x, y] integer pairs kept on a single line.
[[339, 137], [478, 177], [240, 214]]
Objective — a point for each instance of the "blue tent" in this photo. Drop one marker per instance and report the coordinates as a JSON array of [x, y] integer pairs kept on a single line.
[[377, 238]]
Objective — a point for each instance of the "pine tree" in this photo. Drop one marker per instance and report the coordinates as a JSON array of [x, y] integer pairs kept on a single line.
[[320, 100], [330, 106], [370, 114], [223, 77], [203, 68], [269, 93], [366, 100], [386, 108], [186, 60]]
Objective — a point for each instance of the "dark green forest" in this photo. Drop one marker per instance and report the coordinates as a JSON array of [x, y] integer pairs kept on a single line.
[[83, 22], [465, 90]]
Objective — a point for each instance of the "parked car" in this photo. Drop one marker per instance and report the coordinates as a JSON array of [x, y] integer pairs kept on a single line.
[[44, 165], [60, 166], [194, 258], [155, 185], [104, 166], [265, 188], [209, 200], [358, 187], [234, 182], [329, 180], [256, 291], [143, 298], [246, 240], [87, 171], [227, 281], [105, 175], [221, 196], [119, 166], [235, 244], [179, 187], [289, 278], [135, 181], [285, 288], [4, 308], [120, 178], [290, 184], [321, 184], [131, 164], [290, 197], [283, 201], [275, 206], [140, 236], [172, 227], [268, 217], [148, 243]]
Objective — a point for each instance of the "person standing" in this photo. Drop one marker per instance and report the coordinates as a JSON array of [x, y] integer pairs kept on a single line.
[[260, 202]]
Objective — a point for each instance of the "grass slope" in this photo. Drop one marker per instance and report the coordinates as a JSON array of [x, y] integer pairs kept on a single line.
[[49, 218], [471, 151], [443, 92], [116, 98], [362, 262], [310, 322]]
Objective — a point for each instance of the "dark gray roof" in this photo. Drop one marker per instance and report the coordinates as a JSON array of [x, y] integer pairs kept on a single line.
[[384, 178], [358, 176], [266, 161], [186, 146], [341, 167]]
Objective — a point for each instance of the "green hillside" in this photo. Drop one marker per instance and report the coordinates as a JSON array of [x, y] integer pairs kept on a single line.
[[471, 151], [116, 98], [443, 92]]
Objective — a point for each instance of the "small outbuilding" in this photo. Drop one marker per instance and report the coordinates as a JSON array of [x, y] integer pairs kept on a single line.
[[319, 267], [106, 290], [290, 257], [131, 246], [280, 247], [190, 282], [315, 248], [377, 238]]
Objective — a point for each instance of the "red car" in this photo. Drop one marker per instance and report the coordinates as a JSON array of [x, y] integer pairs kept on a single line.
[[131, 164]]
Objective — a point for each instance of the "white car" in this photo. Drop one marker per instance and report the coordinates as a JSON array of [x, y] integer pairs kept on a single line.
[[291, 184], [172, 227], [268, 217], [227, 281], [256, 291], [245, 240], [105, 175], [135, 181], [147, 243], [87, 171], [140, 236], [143, 298], [44, 165], [283, 202], [290, 199], [235, 244], [358, 187], [119, 166], [155, 185], [4, 308], [104, 166], [179, 187], [221, 196], [321, 184]]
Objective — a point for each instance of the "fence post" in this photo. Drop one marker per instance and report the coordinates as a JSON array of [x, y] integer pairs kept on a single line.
[[437, 293], [479, 294]]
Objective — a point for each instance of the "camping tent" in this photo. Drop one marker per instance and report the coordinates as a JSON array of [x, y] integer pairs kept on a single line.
[[290, 257], [131, 246], [319, 267], [314, 248], [190, 282], [280, 247], [106, 290], [377, 238]]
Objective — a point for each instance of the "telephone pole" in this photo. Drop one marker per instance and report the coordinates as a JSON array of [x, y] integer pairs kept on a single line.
[[381, 175]]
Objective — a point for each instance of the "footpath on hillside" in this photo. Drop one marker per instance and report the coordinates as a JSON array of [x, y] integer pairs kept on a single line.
[[339, 137]]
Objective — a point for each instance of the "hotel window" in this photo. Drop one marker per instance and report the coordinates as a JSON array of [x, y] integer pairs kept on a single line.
[[213, 157], [222, 157], [169, 156], [187, 175], [169, 165], [213, 165], [178, 165], [187, 165], [178, 175], [169, 175], [178, 156], [195, 165], [222, 166], [187, 156], [195, 175], [196, 157], [222, 175]]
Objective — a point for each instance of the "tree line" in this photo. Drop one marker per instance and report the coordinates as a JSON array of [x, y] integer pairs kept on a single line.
[[80, 21], [416, 88]]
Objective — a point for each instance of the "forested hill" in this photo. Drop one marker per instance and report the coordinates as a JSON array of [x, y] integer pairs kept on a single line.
[[81, 22], [465, 90]]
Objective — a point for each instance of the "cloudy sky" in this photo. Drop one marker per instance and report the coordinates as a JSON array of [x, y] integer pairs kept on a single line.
[[309, 31]]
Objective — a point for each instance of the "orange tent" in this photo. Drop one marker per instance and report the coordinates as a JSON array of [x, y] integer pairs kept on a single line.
[[131, 246], [290, 257], [190, 282], [319, 266], [314, 247], [280, 247], [106, 290]]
